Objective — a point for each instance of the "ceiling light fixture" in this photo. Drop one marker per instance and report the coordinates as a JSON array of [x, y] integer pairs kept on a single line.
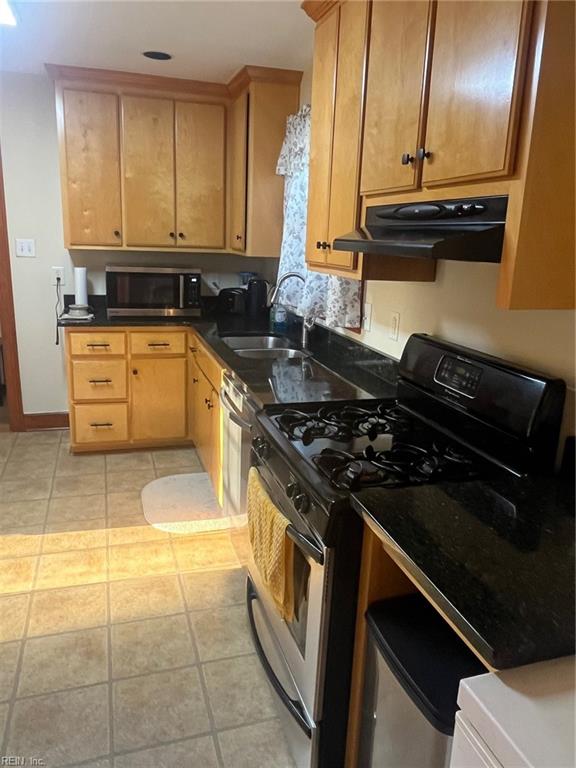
[[7, 17], [156, 55]]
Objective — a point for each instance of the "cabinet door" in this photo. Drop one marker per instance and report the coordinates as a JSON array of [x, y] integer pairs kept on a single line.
[[158, 389], [216, 446], [148, 158], [344, 196], [92, 212], [474, 89], [204, 401], [394, 94], [238, 171], [200, 153], [193, 398], [322, 125]]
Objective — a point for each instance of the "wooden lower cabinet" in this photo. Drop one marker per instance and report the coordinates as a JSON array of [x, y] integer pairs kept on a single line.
[[99, 424], [158, 398]]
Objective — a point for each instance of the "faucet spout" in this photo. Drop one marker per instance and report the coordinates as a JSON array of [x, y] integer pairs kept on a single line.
[[280, 282]]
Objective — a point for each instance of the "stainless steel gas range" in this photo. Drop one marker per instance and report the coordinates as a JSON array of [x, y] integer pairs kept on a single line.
[[459, 415]]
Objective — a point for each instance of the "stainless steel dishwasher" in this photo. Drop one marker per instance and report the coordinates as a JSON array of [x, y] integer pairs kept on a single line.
[[238, 411]]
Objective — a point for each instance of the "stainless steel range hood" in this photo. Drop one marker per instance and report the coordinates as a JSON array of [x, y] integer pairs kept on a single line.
[[461, 230]]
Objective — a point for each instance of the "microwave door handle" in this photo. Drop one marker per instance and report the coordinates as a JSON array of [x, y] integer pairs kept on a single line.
[[181, 280], [228, 406], [306, 545], [293, 706]]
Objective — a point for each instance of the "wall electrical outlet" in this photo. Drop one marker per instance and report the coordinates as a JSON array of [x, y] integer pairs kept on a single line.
[[367, 317], [25, 248], [58, 272], [394, 326]]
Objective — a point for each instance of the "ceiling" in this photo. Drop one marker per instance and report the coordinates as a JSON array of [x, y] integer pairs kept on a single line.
[[209, 39]]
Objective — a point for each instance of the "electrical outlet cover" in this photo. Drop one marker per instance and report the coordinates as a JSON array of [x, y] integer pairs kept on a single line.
[[367, 317], [58, 272], [394, 326]]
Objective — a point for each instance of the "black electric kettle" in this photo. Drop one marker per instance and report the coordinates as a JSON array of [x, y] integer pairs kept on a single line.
[[257, 298]]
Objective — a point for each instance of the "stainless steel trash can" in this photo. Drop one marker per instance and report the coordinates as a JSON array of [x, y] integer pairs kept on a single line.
[[414, 665]]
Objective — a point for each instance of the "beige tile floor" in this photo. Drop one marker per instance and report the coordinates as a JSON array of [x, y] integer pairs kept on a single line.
[[120, 646]]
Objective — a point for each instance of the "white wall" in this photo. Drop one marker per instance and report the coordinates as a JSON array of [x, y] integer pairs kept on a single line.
[[460, 306], [29, 146]]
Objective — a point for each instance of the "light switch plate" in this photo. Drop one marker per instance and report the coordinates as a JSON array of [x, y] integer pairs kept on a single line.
[[25, 248], [367, 317]]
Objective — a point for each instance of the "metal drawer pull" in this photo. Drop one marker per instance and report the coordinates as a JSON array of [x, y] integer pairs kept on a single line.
[[158, 343], [97, 344], [100, 381], [101, 424], [306, 545]]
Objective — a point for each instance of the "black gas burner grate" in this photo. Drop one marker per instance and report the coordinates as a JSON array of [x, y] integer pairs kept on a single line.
[[403, 464], [342, 423]]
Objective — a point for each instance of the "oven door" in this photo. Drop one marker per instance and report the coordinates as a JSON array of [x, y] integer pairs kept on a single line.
[[144, 291], [299, 729], [301, 641]]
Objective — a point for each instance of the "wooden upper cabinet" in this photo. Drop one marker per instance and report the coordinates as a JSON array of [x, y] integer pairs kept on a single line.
[[475, 87], [148, 160], [321, 133], [238, 127], [344, 197], [394, 94], [200, 168], [91, 176]]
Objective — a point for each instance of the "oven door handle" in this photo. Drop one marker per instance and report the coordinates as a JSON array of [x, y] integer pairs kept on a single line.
[[228, 406], [293, 706], [306, 544]]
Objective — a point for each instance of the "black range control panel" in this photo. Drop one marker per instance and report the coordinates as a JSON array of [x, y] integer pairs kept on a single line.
[[459, 375]]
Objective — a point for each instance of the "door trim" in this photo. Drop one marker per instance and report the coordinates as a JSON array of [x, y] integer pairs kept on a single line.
[[8, 323]]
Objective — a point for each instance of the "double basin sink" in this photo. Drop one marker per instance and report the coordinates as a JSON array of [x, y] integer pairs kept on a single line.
[[264, 347]]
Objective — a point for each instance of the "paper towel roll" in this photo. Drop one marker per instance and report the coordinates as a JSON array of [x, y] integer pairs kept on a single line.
[[80, 285]]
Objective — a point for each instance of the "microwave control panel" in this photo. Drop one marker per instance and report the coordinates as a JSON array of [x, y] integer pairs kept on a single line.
[[191, 291]]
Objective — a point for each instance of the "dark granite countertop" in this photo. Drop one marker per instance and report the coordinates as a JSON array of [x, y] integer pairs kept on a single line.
[[496, 556], [338, 369]]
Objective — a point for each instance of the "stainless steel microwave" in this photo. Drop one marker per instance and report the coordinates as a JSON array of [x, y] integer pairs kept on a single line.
[[152, 291]]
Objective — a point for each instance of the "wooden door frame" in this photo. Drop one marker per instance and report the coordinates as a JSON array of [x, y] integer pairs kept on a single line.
[[8, 324]]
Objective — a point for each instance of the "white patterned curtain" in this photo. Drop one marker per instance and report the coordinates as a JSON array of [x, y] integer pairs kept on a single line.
[[336, 300]]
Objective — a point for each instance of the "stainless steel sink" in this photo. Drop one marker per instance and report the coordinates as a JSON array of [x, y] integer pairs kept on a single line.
[[273, 354], [262, 347], [258, 342]]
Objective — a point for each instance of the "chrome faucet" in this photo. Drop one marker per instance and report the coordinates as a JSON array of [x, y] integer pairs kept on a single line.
[[280, 283], [307, 325], [308, 320]]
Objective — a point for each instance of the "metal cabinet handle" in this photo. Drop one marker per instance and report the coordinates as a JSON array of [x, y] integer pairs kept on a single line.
[[306, 545], [100, 381], [209, 405], [101, 424], [116, 233], [135, 371], [181, 235], [407, 158], [158, 343], [422, 154], [293, 706], [238, 237], [194, 381], [172, 234], [97, 344]]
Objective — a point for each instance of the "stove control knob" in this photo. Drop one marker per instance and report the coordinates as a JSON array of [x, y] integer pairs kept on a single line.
[[301, 503], [292, 490], [261, 448]]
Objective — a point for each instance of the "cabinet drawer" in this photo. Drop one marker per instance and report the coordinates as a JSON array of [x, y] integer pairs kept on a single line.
[[169, 343], [98, 379], [100, 423], [95, 343]]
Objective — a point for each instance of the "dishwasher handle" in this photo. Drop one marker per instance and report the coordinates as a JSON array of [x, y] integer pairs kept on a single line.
[[228, 406]]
